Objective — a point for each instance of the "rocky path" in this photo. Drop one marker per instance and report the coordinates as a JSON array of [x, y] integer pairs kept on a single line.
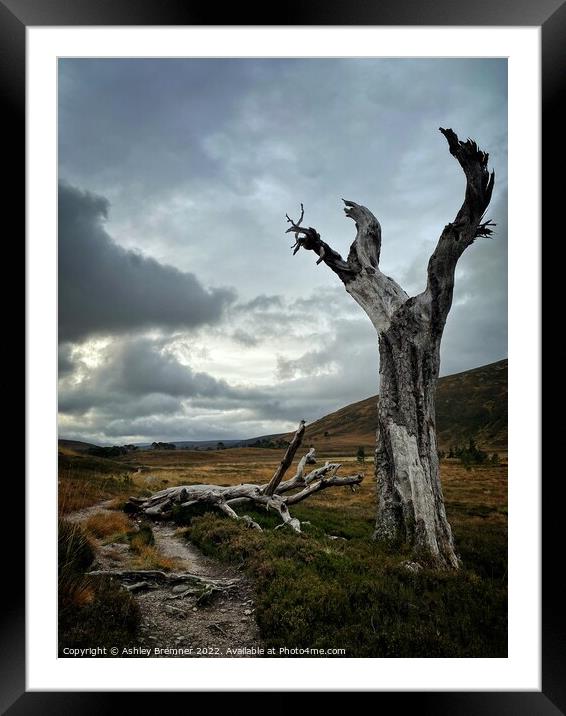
[[177, 620]]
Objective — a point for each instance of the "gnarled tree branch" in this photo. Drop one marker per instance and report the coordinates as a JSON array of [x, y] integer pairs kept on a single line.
[[309, 239], [466, 227], [366, 248], [377, 294], [161, 504], [287, 460]]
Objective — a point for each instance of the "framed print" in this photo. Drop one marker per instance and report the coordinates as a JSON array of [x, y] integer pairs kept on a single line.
[[220, 492]]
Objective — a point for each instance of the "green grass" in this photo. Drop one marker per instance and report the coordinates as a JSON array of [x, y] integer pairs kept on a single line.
[[321, 593]]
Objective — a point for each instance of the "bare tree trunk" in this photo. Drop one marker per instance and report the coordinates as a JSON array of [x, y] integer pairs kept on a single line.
[[410, 502]]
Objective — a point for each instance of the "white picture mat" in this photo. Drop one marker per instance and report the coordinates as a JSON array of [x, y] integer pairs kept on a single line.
[[521, 670]]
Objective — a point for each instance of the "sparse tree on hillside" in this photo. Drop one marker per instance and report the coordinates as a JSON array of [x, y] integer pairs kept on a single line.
[[163, 446], [410, 501], [361, 455], [471, 455]]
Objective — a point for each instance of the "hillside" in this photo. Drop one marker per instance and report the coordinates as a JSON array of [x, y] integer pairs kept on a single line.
[[468, 404], [75, 445]]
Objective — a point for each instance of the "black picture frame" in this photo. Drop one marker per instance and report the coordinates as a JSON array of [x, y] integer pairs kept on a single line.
[[550, 16]]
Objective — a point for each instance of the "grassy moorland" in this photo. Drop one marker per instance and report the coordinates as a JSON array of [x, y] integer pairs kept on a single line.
[[85, 480], [318, 592]]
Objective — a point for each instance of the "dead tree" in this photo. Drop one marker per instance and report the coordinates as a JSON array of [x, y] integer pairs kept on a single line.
[[410, 502], [277, 494]]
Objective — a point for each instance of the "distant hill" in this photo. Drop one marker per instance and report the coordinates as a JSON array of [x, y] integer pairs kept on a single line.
[[468, 404], [196, 444], [76, 445]]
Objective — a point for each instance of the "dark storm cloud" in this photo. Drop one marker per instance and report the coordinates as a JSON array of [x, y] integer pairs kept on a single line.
[[138, 382], [66, 364], [201, 159], [144, 118], [131, 369], [136, 369], [213, 151], [104, 288], [107, 405]]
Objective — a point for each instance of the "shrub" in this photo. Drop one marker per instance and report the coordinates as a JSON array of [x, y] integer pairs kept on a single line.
[[75, 552], [471, 455], [92, 610], [321, 593], [109, 617]]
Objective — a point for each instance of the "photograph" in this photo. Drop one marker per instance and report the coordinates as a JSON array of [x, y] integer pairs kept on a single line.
[[282, 357]]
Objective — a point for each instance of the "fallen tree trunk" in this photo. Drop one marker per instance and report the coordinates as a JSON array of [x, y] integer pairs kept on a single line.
[[271, 495]]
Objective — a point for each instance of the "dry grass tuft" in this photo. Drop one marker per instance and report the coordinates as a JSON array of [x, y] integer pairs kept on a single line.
[[148, 557], [105, 524], [80, 593]]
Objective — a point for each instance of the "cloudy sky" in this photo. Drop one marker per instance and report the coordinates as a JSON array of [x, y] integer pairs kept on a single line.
[[182, 313]]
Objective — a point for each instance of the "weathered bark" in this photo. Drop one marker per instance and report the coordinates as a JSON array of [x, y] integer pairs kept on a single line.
[[287, 460], [410, 503], [269, 496]]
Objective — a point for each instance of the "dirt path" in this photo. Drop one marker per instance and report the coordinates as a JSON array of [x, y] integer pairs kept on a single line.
[[174, 623]]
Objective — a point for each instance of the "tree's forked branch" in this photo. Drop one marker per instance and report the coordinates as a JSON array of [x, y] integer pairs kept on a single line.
[[480, 182], [484, 230], [308, 238], [287, 460], [466, 227], [296, 225]]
